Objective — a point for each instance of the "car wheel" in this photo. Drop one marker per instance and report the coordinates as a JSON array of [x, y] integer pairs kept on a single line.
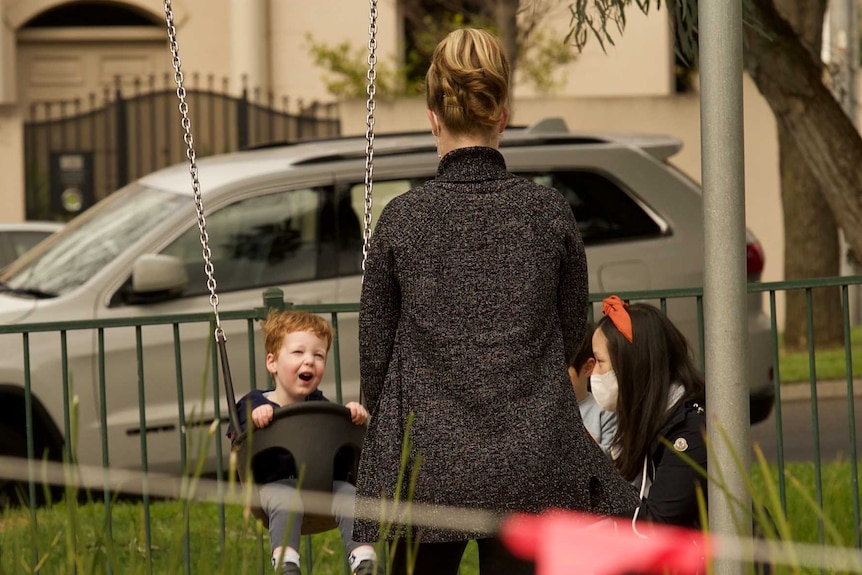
[[12, 444], [761, 408], [13, 492]]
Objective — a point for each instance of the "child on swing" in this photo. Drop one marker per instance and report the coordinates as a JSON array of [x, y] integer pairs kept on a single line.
[[297, 343]]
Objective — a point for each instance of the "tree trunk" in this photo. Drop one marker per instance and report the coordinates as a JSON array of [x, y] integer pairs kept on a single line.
[[506, 16], [810, 250], [787, 70]]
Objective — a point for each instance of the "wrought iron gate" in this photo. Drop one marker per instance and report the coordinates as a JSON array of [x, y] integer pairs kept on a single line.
[[77, 153]]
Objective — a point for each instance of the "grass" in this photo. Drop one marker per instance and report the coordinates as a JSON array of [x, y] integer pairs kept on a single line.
[[837, 496], [246, 549], [73, 538], [829, 363]]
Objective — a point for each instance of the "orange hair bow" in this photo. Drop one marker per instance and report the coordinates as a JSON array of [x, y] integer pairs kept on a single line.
[[615, 309]]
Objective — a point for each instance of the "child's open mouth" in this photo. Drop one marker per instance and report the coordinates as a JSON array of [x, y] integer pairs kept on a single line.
[[306, 376]]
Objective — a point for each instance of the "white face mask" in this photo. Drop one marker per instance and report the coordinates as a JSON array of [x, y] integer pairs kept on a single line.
[[606, 389]]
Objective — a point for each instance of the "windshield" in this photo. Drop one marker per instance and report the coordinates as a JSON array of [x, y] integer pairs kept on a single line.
[[91, 241]]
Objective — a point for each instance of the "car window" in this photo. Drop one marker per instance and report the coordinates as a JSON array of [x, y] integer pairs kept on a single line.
[[383, 192], [82, 250], [23, 241], [262, 241], [7, 256], [14, 244], [340, 235], [603, 210]]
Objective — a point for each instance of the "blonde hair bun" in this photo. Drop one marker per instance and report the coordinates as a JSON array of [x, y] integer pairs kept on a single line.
[[467, 84]]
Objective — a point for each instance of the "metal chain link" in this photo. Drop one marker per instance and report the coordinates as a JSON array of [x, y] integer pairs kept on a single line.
[[193, 168], [369, 127]]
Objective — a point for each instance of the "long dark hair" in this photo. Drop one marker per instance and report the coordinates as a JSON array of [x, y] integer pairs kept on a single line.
[[584, 351], [657, 357]]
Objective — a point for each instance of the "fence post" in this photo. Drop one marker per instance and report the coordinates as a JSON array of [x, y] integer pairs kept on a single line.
[[332, 115], [273, 299], [242, 120], [300, 120], [121, 135]]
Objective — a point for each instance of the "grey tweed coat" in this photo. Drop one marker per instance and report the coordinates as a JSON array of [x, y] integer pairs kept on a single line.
[[475, 289]]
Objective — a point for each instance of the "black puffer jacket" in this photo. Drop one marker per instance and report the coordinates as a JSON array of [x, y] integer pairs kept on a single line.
[[673, 495]]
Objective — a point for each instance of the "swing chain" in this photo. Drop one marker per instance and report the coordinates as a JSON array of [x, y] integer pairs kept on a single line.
[[369, 127], [193, 168]]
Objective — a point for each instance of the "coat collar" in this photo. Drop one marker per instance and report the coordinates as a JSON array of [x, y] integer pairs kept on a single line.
[[474, 164]]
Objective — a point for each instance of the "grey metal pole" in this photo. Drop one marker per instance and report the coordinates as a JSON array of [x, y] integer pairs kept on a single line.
[[724, 288]]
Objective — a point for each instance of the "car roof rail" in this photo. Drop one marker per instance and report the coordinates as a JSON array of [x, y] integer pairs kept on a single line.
[[554, 125], [546, 126], [658, 146]]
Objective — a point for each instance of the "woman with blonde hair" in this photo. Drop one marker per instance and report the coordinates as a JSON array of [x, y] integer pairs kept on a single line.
[[475, 292]]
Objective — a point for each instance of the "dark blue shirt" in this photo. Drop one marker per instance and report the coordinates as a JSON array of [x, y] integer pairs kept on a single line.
[[255, 398]]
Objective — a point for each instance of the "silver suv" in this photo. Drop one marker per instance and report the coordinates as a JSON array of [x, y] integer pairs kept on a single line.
[[290, 216]]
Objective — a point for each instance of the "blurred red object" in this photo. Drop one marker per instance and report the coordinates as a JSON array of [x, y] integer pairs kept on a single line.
[[562, 543]]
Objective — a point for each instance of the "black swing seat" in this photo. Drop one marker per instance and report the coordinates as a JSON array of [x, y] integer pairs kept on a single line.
[[325, 445]]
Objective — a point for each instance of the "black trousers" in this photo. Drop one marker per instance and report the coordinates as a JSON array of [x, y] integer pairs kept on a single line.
[[444, 559]]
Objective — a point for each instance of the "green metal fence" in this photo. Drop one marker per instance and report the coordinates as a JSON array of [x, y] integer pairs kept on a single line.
[[684, 305], [844, 284]]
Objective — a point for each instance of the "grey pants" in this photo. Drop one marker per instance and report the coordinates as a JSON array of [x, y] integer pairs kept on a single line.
[[281, 502]]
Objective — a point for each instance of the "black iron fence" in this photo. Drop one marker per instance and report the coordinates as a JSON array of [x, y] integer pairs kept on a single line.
[[76, 153]]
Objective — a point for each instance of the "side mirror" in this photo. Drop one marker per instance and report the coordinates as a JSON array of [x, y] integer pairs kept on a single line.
[[155, 273]]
